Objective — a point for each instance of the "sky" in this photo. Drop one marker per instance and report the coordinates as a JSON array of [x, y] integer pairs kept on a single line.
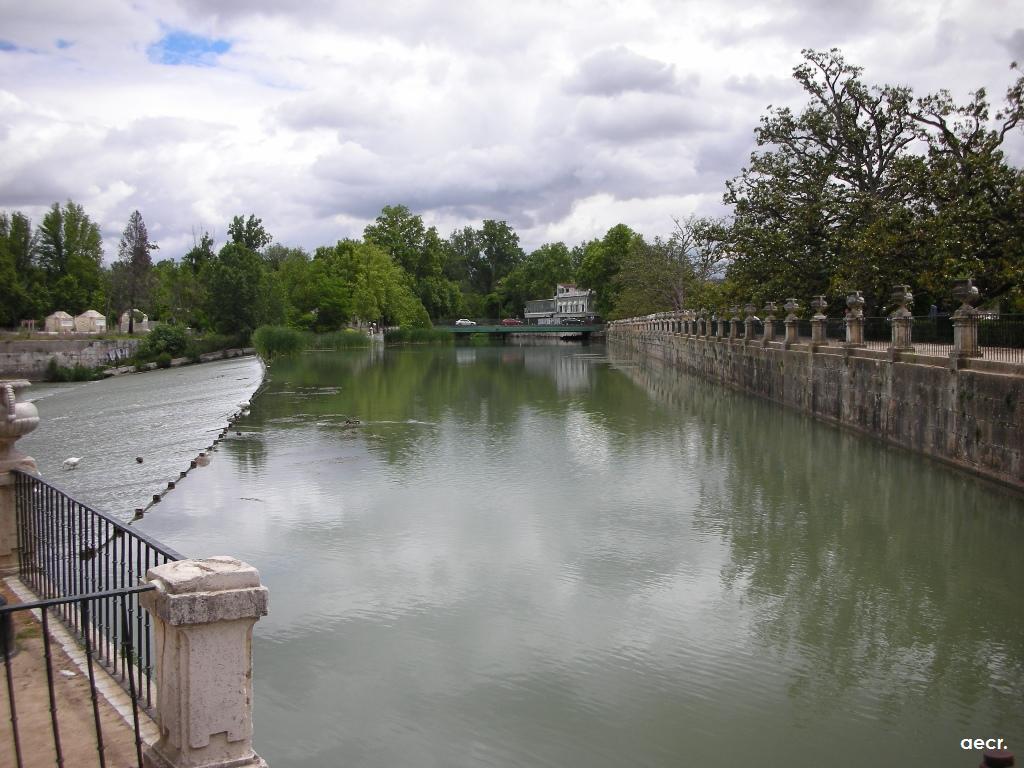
[[562, 118]]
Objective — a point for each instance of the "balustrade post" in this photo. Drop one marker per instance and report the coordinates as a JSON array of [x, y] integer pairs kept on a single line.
[[819, 321], [901, 318], [702, 323], [748, 323], [203, 615], [734, 323], [855, 320], [16, 420], [965, 319], [769, 323], [722, 322], [792, 322]]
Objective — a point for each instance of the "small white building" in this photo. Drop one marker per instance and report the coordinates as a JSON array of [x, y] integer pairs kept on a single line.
[[141, 321], [91, 321], [571, 301], [60, 322]]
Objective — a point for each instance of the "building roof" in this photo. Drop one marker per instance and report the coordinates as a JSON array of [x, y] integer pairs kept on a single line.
[[90, 313], [61, 314]]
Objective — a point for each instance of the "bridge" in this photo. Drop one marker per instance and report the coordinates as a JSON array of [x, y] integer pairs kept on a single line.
[[507, 329]]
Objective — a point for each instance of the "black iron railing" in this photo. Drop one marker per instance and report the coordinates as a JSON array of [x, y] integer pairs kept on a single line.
[[69, 549], [52, 751]]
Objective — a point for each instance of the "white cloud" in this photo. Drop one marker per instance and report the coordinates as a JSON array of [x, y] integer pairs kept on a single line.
[[562, 118]]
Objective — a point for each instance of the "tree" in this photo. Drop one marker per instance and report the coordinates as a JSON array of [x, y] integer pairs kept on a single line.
[[536, 277], [249, 233], [200, 254], [135, 266], [69, 249], [602, 260], [240, 295], [21, 293], [498, 255], [673, 273]]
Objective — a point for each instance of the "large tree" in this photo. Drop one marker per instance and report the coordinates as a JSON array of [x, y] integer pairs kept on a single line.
[[134, 267], [536, 277], [69, 249], [249, 233], [601, 263]]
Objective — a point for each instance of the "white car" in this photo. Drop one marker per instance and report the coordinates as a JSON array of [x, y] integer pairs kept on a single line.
[[464, 321]]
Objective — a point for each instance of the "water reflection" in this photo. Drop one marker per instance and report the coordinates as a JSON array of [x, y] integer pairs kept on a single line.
[[545, 556]]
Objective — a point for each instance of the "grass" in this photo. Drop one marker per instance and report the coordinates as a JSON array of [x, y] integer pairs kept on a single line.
[[348, 338], [273, 340]]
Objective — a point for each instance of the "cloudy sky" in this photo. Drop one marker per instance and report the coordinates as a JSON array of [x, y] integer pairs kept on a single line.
[[561, 117]]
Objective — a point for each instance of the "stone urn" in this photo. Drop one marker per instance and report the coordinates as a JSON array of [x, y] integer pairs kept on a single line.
[[902, 297], [855, 301], [16, 420], [819, 305], [966, 292]]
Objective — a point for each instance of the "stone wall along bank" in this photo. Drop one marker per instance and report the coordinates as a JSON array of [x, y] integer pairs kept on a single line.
[[28, 359], [969, 413]]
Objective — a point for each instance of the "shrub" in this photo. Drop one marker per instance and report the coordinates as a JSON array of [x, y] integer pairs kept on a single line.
[[273, 340], [345, 339], [170, 339], [57, 372], [163, 360], [418, 336]]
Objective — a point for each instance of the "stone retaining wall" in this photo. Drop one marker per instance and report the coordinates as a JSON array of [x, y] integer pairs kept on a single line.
[[966, 412], [28, 359]]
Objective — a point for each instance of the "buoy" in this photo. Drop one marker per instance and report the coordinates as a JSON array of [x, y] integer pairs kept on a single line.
[[138, 459]]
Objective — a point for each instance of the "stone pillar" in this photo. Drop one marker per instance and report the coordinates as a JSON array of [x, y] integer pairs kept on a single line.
[[901, 318], [748, 323], [818, 321], [965, 320], [769, 322], [734, 323], [16, 420], [722, 331], [702, 323], [792, 322], [855, 320], [203, 614]]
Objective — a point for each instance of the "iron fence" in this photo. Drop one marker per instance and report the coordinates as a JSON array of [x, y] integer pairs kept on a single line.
[[1002, 337], [68, 549], [86, 608]]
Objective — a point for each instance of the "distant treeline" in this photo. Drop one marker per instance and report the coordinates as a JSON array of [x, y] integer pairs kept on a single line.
[[865, 187]]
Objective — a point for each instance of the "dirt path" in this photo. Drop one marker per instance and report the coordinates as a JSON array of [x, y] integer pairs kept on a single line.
[[75, 719]]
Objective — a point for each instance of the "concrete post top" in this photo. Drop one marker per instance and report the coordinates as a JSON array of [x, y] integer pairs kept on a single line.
[[214, 574], [205, 591]]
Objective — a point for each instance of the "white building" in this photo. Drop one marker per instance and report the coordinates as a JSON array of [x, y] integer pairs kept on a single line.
[[60, 322], [91, 321], [568, 302], [141, 322]]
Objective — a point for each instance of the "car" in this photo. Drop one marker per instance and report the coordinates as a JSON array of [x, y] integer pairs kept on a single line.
[[511, 321], [464, 321], [572, 321]]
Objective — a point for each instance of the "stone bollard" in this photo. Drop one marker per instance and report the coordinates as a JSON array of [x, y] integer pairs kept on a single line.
[[792, 322], [748, 323], [855, 320], [818, 321], [769, 323], [203, 614], [901, 318], [16, 420], [965, 320], [734, 323]]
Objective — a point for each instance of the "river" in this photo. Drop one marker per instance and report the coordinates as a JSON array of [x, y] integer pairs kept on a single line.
[[561, 556]]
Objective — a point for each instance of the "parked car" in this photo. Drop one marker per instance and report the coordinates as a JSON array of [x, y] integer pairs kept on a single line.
[[464, 321], [572, 321], [511, 321]]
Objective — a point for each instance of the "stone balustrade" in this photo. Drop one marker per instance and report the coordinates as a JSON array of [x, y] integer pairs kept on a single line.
[[725, 324]]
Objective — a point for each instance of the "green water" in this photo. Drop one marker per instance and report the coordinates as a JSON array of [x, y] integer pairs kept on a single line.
[[558, 556]]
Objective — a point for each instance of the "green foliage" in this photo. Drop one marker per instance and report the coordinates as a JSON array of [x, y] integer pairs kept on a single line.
[[57, 372], [69, 250], [163, 360], [418, 336], [133, 272], [347, 338], [241, 294], [535, 278], [602, 261], [169, 339], [274, 340], [249, 233]]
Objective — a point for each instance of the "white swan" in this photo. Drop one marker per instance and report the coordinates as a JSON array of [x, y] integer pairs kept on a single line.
[[72, 462]]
